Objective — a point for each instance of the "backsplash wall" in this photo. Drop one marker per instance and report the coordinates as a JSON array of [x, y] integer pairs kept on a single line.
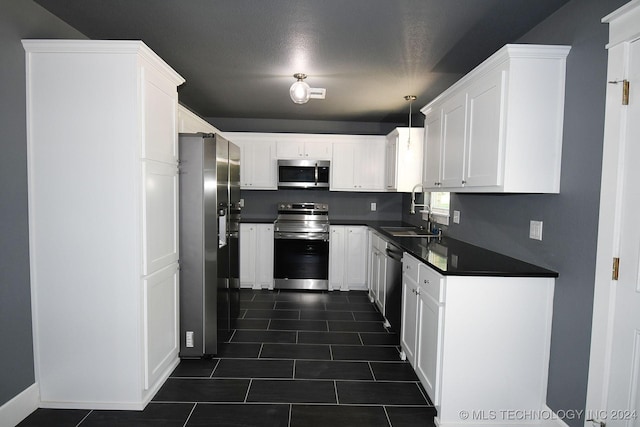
[[263, 204]]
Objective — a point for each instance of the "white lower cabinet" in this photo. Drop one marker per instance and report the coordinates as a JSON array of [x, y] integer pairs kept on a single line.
[[378, 267], [347, 258], [410, 322], [479, 345], [256, 256]]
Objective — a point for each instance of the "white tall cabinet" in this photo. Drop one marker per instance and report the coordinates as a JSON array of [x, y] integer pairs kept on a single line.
[[103, 193]]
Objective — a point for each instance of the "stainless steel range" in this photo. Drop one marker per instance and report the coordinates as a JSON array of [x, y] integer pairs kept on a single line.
[[301, 256]]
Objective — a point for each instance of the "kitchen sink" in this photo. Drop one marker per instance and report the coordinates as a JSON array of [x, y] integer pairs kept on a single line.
[[408, 232]]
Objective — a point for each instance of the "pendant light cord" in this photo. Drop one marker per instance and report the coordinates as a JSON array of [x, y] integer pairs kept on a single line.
[[410, 98]]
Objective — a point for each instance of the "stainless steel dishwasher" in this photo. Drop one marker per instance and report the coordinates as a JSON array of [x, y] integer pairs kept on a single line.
[[393, 286]]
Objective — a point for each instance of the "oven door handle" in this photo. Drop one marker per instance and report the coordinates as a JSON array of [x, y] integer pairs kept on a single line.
[[301, 236]]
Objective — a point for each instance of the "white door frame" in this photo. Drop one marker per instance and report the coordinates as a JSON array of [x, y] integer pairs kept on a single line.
[[624, 27]]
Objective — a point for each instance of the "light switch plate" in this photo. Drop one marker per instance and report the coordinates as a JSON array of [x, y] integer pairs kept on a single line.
[[373, 206], [535, 230], [456, 217]]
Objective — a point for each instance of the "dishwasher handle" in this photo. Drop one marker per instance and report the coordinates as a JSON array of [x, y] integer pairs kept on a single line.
[[394, 253]]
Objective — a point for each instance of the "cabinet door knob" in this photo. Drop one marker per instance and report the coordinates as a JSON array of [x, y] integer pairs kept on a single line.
[[464, 182], [417, 291]]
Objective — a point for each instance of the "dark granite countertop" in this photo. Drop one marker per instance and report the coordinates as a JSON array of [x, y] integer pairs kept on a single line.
[[452, 257], [448, 256]]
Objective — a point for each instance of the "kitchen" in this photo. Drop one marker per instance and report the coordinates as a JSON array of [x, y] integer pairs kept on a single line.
[[496, 222]]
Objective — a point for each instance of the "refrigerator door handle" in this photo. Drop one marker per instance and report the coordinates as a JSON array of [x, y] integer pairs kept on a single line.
[[222, 228]]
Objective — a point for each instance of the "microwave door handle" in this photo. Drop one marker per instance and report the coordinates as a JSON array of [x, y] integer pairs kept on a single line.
[[316, 174]]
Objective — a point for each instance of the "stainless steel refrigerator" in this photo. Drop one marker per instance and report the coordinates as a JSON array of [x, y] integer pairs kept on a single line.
[[209, 256]]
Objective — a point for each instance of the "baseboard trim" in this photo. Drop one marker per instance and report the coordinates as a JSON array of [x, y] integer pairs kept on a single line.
[[19, 408]]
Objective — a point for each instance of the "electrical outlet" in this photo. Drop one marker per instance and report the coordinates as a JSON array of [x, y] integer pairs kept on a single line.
[[189, 339], [456, 217], [535, 230], [373, 206]]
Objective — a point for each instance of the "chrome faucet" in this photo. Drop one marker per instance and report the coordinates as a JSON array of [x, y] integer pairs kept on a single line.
[[413, 200]]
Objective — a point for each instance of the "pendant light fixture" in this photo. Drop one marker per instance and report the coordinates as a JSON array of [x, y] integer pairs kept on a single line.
[[300, 90], [410, 98]]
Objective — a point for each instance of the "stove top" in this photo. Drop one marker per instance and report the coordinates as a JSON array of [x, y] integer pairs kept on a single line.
[[303, 217]]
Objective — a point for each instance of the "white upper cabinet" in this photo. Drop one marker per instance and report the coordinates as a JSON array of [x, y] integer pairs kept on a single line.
[[404, 148], [432, 146], [299, 146], [258, 153], [499, 129], [358, 164]]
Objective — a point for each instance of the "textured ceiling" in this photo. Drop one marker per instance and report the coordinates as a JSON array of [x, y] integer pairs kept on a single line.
[[238, 56]]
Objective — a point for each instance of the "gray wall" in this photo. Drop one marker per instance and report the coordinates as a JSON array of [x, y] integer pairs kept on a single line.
[[342, 206], [501, 222], [18, 19]]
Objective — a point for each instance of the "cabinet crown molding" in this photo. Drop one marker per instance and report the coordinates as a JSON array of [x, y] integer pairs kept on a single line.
[[507, 52], [135, 47]]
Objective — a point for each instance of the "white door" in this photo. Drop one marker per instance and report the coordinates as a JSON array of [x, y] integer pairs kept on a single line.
[[624, 382], [613, 395]]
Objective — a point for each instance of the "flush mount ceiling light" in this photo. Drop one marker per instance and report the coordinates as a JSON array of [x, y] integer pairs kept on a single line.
[[300, 92]]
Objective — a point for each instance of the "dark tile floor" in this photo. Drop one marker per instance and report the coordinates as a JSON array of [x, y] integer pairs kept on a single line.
[[296, 359]]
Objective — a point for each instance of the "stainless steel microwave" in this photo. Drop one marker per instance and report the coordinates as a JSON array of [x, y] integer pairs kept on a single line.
[[303, 173]]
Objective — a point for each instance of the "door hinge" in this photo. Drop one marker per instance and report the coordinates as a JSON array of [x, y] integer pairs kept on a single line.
[[625, 90], [616, 268]]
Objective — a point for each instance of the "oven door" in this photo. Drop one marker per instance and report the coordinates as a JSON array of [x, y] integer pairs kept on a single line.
[[301, 261]]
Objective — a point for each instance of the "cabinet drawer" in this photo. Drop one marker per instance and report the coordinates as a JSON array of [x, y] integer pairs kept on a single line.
[[410, 267], [431, 282]]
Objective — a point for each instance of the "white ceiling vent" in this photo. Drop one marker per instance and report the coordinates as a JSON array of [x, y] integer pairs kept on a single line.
[[317, 92]]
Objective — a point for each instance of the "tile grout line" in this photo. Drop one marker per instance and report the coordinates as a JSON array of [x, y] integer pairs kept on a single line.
[[85, 417], [214, 368], [246, 396], [371, 369], [290, 411], [189, 416], [384, 408], [335, 388]]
